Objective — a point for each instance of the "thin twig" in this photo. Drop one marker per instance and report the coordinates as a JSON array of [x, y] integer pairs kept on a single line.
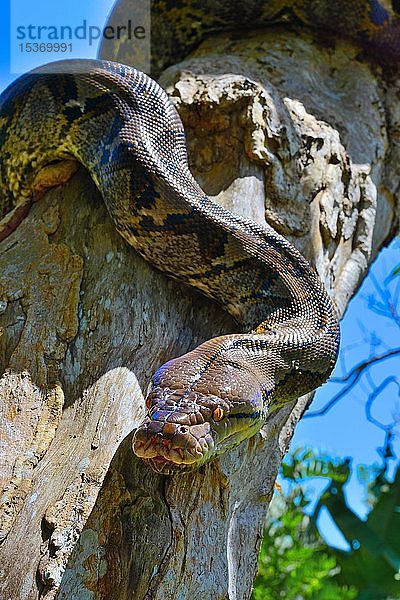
[[358, 369], [372, 397], [352, 377]]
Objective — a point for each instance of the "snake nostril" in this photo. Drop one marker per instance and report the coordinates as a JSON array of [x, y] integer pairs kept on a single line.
[[183, 429]]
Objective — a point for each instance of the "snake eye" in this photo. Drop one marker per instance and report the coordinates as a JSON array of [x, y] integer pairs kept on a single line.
[[218, 414]]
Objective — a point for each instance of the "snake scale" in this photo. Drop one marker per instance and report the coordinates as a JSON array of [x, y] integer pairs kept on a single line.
[[123, 128], [180, 25]]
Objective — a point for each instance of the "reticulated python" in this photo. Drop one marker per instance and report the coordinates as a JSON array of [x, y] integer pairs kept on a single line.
[[123, 128], [180, 25]]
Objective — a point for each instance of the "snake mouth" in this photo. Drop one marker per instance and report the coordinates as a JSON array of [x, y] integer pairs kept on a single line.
[[164, 457], [163, 466], [170, 446]]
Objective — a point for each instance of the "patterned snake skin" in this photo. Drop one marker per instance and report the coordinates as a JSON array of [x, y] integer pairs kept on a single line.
[[180, 25], [122, 127]]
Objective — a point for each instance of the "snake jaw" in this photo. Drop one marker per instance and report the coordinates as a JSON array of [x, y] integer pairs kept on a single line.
[[168, 445], [176, 435], [186, 428]]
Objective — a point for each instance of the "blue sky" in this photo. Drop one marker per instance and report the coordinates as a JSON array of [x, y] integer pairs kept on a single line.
[[14, 13], [345, 430]]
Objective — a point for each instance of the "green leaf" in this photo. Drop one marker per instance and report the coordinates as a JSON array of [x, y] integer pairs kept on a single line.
[[294, 560], [374, 563]]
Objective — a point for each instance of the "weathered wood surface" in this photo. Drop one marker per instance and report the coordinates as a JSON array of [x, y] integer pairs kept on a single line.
[[278, 127]]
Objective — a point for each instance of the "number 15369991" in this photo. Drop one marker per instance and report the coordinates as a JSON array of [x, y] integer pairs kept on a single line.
[[45, 47]]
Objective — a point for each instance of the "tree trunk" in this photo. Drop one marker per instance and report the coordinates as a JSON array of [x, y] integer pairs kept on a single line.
[[279, 128]]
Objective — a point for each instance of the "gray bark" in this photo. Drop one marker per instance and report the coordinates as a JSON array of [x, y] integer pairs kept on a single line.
[[278, 128]]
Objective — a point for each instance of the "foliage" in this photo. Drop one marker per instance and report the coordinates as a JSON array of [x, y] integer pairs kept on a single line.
[[373, 565], [295, 563]]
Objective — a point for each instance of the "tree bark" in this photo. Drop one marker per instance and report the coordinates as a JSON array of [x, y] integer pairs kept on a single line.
[[279, 128]]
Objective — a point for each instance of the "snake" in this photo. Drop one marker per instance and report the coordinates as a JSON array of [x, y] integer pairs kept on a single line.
[[121, 125], [179, 26]]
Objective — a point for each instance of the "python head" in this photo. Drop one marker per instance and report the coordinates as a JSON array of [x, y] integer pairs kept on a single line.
[[213, 411]]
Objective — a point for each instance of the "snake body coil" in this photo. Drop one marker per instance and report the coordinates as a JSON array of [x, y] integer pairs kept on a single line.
[[122, 127], [181, 25]]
